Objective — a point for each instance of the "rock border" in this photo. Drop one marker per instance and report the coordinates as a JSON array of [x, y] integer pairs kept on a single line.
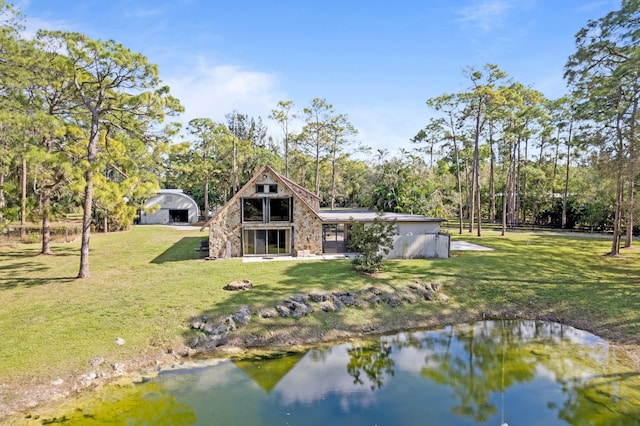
[[211, 333]]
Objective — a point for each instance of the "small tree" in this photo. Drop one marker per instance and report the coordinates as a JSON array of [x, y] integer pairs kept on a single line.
[[371, 241]]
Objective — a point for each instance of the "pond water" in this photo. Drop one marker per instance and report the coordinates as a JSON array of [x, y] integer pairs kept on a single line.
[[488, 373]]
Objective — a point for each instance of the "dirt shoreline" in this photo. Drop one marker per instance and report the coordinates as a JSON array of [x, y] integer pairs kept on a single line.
[[23, 400]]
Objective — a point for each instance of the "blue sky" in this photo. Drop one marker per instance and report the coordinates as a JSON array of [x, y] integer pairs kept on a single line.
[[376, 61]]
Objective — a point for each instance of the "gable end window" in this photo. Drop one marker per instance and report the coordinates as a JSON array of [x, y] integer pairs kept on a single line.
[[266, 188], [267, 209], [252, 210], [280, 209]]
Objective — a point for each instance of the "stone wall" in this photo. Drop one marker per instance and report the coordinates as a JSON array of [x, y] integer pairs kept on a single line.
[[307, 229], [227, 226]]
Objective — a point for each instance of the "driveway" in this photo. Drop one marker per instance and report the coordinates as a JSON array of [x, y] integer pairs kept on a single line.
[[463, 245]]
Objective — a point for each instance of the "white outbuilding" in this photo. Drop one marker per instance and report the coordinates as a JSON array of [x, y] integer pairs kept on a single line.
[[169, 206]]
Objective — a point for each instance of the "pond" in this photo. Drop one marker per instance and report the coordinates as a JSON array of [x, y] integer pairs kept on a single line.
[[488, 373]]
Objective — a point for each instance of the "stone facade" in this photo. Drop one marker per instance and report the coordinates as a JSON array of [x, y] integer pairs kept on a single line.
[[226, 228]]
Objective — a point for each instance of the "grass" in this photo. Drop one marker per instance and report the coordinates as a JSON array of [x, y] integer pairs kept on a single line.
[[147, 283]]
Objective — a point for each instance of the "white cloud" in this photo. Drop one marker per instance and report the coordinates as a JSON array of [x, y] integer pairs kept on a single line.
[[388, 126], [213, 90], [485, 15], [33, 24]]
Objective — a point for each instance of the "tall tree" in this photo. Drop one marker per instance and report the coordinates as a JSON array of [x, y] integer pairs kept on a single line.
[[340, 130], [315, 133], [603, 74], [282, 115], [209, 150], [481, 101], [116, 86]]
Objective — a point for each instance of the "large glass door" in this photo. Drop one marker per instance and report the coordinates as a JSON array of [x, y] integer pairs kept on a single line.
[[266, 241]]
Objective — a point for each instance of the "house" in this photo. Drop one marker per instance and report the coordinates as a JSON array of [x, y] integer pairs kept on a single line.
[[169, 206], [273, 216]]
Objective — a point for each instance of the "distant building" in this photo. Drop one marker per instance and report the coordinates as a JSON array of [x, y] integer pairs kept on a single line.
[[169, 206]]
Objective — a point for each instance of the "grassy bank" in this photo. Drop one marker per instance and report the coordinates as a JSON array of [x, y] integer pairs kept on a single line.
[[146, 284]]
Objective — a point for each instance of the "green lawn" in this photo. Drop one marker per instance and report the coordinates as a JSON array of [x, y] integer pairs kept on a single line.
[[147, 283]]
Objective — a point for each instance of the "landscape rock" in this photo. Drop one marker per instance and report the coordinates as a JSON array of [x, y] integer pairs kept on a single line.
[[298, 298], [283, 311], [118, 369], [95, 362], [318, 296], [391, 299], [239, 285], [243, 316], [337, 303], [327, 306], [213, 333], [408, 296], [267, 313], [361, 303], [347, 298]]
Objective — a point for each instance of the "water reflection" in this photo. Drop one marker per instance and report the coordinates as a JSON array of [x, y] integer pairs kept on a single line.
[[492, 372]]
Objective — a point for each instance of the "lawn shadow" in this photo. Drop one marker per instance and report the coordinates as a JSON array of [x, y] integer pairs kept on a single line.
[[15, 282], [187, 248]]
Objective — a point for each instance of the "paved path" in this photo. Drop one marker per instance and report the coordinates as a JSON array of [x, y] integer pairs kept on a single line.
[[463, 245]]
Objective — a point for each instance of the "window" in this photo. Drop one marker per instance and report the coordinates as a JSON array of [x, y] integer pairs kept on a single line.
[[280, 209], [267, 209], [252, 210], [267, 241], [266, 188]]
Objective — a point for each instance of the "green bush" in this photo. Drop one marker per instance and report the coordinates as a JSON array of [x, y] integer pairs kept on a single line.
[[371, 241]]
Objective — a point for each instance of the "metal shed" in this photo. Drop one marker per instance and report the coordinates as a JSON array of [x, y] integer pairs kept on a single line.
[[169, 206]]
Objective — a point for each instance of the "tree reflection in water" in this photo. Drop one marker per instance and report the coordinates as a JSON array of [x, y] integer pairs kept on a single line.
[[479, 363], [492, 372], [373, 360]]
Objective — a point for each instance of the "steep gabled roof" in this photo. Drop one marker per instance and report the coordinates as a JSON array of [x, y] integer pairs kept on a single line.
[[294, 185], [289, 184]]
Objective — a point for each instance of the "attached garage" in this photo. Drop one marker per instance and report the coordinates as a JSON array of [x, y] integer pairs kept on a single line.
[[417, 236], [169, 206]]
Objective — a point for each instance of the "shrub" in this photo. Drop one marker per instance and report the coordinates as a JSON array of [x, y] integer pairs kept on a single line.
[[371, 241]]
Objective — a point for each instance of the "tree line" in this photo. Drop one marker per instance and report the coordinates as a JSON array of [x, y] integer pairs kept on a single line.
[[85, 126]]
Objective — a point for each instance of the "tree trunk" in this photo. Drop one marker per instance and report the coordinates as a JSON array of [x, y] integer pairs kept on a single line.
[[628, 242], [565, 195], [516, 183], [92, 150], [525, 180], [46, 222], [317, 181], [478, 206], [475, 171], [2, 198], [86, 225], [333, 181], [467, 186], [206, 196], [458, 179], [492, 184], [617, 221], [504, 205], [23, 198], [633, 159], [286, 153]]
